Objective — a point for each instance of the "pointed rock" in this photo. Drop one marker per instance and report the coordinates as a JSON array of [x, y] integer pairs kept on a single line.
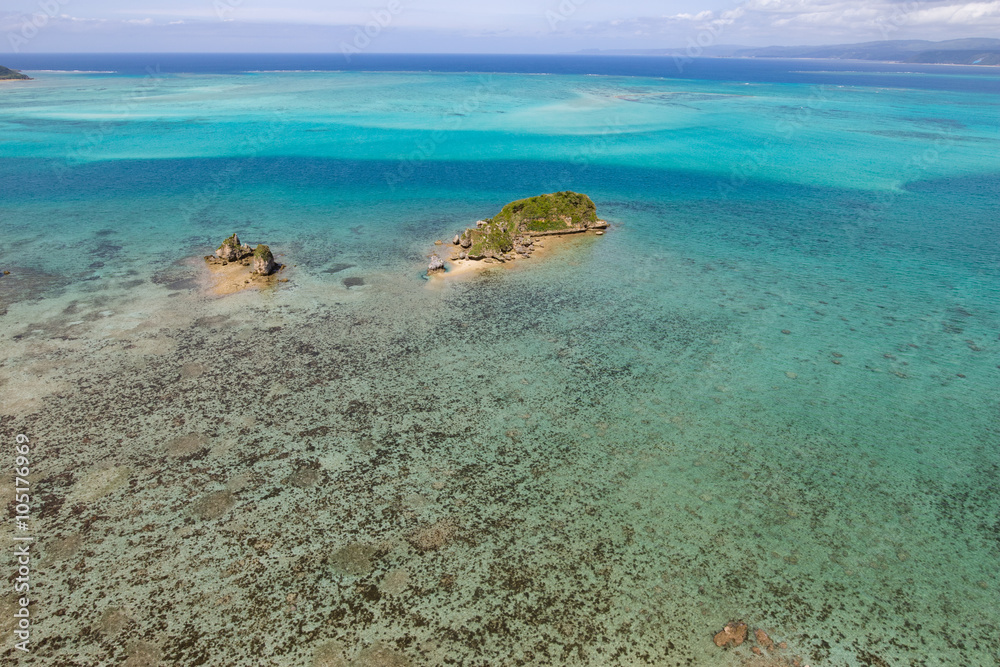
[[263, 261], [232, 251]]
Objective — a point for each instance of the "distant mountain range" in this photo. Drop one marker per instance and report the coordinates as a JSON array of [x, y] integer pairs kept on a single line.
[[971, 51]]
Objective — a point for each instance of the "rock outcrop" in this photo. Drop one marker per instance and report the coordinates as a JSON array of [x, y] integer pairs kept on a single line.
[[763, 639], [232, 251], [734, 633], [436, 265], [263, 261], [512, 233], [768, 652], [231, 260]]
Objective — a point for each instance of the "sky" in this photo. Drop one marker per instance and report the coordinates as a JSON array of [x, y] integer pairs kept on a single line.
[[459, 26]]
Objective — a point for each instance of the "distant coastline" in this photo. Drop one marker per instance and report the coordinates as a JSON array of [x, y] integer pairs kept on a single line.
[[694, 66], [971, 52], [805, 59], [848, 60], [858, 60]]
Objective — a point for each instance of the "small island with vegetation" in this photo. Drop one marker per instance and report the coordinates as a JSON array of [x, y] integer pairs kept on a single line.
[[229, 262], [513, 232], [7, 74]]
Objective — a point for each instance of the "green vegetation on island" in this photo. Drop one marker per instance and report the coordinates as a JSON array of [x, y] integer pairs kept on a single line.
[[494, 238], [263, 260], [232, 251], [556, 211], [509, 234], [7, 74]]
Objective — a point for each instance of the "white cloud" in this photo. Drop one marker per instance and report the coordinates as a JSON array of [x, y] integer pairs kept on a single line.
[[973, 13], [700, 16], [859, 15], [818, 21], [77, 19], [601, 25]]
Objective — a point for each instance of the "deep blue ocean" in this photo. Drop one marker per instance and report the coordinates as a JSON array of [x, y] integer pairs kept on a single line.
[[679, 66], [770, 392]]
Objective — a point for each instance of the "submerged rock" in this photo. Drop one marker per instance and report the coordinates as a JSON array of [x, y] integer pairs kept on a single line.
[[437, 264], [734, 633], [433, 537], [263, 261], [232, 251]]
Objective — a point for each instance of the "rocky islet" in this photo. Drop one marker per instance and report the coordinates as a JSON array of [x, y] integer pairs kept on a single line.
[[233, 252], [512, 233]]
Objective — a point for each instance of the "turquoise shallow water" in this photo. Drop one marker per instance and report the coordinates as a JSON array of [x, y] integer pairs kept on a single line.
[[599, 458]]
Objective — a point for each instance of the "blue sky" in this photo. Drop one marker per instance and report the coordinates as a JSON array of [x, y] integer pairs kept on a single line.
[[516, 26]]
